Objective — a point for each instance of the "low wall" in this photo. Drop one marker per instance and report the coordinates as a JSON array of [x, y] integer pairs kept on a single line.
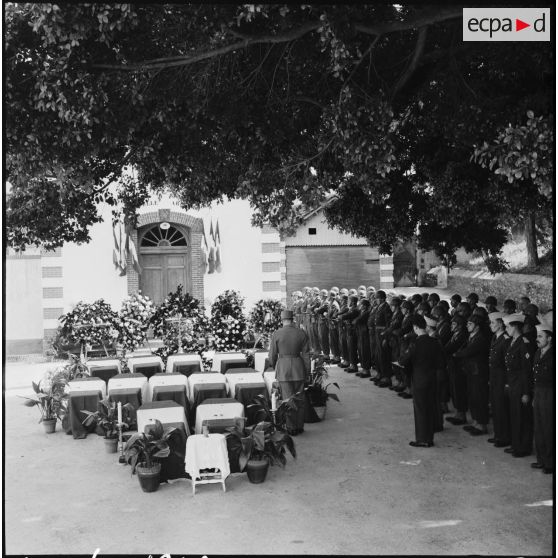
[[538, 288]]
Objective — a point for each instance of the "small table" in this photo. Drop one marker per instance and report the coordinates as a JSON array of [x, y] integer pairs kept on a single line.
[[184, 364], [88, 384], [245, 392], [167, 412], [147, 365], [204, 378], [234, 379], [165, 379], [104, 368], [223, 361], [77, 402], [218, 408], [203, 453]]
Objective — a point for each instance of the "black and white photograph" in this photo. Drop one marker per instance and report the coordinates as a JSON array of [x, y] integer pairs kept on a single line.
[[308, 247]]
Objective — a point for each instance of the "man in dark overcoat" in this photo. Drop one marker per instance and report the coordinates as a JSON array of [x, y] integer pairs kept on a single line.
[[425, 357], [289, 354]]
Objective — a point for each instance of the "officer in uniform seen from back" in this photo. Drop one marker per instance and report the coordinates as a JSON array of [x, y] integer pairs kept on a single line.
[[289, 354]]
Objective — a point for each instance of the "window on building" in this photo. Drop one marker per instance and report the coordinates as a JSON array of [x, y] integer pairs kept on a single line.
[[312, 230], [156, 236]]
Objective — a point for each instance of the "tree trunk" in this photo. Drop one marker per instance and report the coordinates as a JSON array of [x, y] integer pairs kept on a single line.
[[531, 240]]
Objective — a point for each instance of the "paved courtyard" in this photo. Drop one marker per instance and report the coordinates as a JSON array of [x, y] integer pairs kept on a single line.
[[357, 487]]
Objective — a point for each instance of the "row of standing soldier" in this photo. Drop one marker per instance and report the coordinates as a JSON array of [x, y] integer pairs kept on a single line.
[[488, 360]]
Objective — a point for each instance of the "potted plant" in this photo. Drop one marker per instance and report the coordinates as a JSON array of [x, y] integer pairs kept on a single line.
[[51, 401], [142, 452], [106, 420], [317, 389], [260, 446]]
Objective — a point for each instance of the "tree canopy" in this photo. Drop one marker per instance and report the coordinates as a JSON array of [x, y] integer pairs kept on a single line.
[[381, 105]]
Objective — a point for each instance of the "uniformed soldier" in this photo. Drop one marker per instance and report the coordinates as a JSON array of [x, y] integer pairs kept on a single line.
[[314, 333], [361, 292], [531, 313], [499, 402], [473, 300], [333, 310], [464, 310], [372, 332], [323, 325], [403, 334], [425, 357], [297, 308], [438, 414], [382, 318], [289, 354], [392, 339], [363, 344], [519, 357], [433, 299], [474, 362], [544, 372], [307, 292], [343, 309], [457, 377], [524, 301], [350, 333]]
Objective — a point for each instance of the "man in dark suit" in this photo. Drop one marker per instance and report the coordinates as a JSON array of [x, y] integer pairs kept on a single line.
[[499, 402], [425, 358], [289, 354]]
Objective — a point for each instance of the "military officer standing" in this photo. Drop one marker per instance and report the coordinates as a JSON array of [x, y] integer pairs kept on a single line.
[[344, 308], [323, 325], [289, 354], [382, 318], [351, 334], [544, 372], [333, 310], [363, 344]]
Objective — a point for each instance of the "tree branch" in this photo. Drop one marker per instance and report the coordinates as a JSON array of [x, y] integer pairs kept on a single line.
[[420, 20], [412, 66]]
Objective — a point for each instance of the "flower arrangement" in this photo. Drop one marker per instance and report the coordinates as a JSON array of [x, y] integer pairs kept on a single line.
[[90, 324], [265, 318], [134, 319], [228, 323], [192, 331]]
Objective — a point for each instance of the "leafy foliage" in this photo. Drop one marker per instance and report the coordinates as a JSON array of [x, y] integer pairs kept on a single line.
[[279, 104], [265, 318], [49, 398], [145, 449], [180, 304], [317, 388], [228, 324], [106, 417]]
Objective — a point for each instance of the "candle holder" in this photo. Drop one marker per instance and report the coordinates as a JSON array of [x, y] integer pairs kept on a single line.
[[121, 459]]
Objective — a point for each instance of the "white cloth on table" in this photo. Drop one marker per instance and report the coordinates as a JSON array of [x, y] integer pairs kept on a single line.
[[218, 357], [248, 378], [107, 363], [206, 452], [89, 385], [118, 382], [165, 415], [153, 359], [203, 378], [269, 379], [165, 380], [217, 411], [259, 361], [183, 359]]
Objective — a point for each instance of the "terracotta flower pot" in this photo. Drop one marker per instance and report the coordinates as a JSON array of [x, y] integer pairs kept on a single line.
[[149, 477], [111, 445], [49, 425], [257, 470]]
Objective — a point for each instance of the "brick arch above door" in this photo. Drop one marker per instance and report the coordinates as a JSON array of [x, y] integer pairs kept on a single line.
[[194, 224]]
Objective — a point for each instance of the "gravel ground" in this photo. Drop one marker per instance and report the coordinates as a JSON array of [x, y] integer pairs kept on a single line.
[[357, 487]]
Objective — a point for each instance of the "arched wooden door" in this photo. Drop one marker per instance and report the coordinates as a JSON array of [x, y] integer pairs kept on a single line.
[[165, 260]]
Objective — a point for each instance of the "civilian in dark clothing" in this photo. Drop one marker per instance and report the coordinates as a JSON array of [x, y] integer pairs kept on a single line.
[[440, 373], [544, 372], [457, 377], [464, 310], [443, 333], [425, 357], [531, 313], [474, 358], [433, 299], [473, 300], [519, 358], [454, 302], [499, 399]]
